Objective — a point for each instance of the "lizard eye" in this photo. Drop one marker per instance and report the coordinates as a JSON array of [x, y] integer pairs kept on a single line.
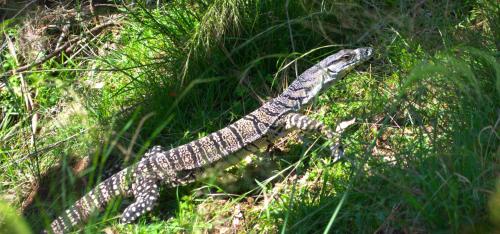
[[346, 57]]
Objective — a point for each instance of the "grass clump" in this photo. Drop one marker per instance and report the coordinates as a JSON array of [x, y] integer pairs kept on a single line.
[[423, 156]]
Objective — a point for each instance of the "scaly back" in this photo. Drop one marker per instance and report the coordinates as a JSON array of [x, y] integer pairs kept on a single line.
[[253, 126]]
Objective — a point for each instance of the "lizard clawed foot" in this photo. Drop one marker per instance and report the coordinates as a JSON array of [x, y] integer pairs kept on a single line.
[[337, 149], [145, 201]]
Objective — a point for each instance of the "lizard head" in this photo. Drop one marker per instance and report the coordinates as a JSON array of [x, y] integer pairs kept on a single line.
[[336, 66], [325, 73]]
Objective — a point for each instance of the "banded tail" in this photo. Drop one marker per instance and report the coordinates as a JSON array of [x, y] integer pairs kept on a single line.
[[96, 199]]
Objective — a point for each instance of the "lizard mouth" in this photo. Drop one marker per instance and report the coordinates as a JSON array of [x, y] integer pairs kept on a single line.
[[364, 53]]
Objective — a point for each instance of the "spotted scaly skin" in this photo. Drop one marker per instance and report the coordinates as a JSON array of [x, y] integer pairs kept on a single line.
[[179, 165]]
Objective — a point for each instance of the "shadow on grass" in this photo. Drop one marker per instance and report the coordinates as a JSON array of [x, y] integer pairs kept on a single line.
[[42, 195]]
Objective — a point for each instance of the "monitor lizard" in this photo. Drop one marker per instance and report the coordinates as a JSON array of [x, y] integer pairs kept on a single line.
[[179, 165]]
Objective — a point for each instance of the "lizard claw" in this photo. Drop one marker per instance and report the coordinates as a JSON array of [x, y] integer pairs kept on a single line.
[[337, 149], [337, 152]]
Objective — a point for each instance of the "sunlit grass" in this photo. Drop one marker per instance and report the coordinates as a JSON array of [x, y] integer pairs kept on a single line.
[[422, 157]]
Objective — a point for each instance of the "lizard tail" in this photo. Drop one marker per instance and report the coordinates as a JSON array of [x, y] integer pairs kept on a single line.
[[96, 199]]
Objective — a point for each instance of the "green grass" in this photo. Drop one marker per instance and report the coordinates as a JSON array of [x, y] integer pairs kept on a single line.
[[422, 158]]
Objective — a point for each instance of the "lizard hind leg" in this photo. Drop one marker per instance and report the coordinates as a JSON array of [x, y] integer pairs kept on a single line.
[[146, 193]]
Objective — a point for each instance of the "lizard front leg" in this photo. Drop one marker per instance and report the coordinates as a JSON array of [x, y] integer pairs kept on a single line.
[[303, 122], [146, 193]]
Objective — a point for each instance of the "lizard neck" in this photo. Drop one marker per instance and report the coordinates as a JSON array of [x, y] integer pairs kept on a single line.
[[306, 87]]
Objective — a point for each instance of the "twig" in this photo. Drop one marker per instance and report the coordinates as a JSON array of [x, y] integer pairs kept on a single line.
[[94, 70], [64, 32], [24, 8], [43, 150], [24, 86], [28, 100], [65, 46]]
